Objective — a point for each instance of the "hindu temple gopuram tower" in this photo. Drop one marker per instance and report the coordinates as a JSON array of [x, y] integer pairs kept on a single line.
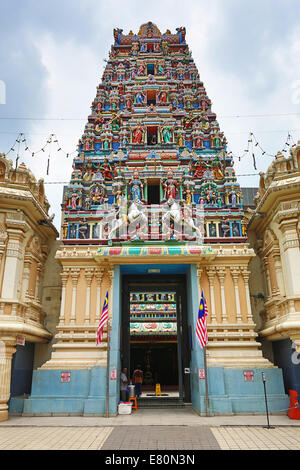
[[154, 215]]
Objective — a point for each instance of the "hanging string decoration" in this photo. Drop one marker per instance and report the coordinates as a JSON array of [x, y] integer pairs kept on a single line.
[[253, 145]]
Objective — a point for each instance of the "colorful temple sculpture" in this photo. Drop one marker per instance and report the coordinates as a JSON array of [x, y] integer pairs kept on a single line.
[[154, 215], [152, 146]]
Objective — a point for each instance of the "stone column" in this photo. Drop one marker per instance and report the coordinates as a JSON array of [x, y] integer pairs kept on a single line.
[[221, 275], [38, 281], [246, 275], [267, 276], [64, 278], [75, 275], [13, 264], [278, 270], [199, 274], [211, 277], [26, 275], [88, 278], [291, 253], [7, 349], [235, 277]]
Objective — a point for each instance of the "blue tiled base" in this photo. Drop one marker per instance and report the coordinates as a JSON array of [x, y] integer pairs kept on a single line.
[[230, 393], [85, 394], [16, 405]]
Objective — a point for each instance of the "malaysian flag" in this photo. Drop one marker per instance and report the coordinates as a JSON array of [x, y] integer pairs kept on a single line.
[[201, 328], [103, 320]]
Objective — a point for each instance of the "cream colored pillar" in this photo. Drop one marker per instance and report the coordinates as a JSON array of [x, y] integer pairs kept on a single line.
[[211, 277], [75, 275], [26, 275], [88, 278], [99, 277], [278, 270], [7, 349], [39, 272], [199, 274], [267, 277], [235, 277], [246, 275], [221, 276], [291, 258], [64, 278], [13, 265]]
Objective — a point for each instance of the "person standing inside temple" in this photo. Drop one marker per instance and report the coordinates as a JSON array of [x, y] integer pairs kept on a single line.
[[123, 384], [137, 378]]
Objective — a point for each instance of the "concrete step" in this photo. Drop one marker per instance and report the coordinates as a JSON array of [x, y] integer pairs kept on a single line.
[[160, 402]]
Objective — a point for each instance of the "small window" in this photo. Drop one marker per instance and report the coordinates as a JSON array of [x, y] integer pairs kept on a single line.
[[151, 135], [153, 193], [151, 97], [150, 69]]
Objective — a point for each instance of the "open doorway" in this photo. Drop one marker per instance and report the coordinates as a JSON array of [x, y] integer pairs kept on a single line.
[[152, 135], [151, 97], [155, 334], [150, 69], [153, 192]]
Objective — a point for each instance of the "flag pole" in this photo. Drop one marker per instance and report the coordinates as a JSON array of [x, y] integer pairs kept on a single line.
[[107, 370], [206, 383]]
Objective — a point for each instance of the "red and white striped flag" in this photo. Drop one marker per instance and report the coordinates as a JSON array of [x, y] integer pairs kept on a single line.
[[201, 328], [103, 320]]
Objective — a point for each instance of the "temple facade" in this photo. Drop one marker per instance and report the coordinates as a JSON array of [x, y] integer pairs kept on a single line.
[[274, 233], [27, 237], [154, 215]]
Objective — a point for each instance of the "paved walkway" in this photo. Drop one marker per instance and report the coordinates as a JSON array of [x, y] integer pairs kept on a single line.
[[150, 429], [152, 417]]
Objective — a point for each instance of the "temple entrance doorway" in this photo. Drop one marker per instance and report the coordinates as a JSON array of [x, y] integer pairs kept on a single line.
[[155, 334], [153, 192]]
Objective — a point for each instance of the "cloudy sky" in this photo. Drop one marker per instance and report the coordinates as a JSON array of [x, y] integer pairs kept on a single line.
[[52, 57]]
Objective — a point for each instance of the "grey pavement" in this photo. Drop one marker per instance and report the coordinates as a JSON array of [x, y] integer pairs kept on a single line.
[[175, 429], [152, 417]]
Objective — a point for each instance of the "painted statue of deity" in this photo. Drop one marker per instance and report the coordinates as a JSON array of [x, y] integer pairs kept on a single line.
[[141, 70], [210, 195], [170, 187], [216, 167], [188, 195], [106, 140], [199, 170], [137, 134], [140, 98], [180, 140], [162, 97], [166, 134], [136, 187], [98, 195], [128, 101], [88, 143], [98, 123], [118, 194], [106, 170], [225, 226], [74, 199]]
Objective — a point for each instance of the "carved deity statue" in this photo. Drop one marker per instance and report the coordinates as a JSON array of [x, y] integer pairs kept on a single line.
[[136, 187], [170, 187], [137, 134]]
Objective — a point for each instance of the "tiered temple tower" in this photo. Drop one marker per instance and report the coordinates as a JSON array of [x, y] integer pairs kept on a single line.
[[153, 199], [152, 139]]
